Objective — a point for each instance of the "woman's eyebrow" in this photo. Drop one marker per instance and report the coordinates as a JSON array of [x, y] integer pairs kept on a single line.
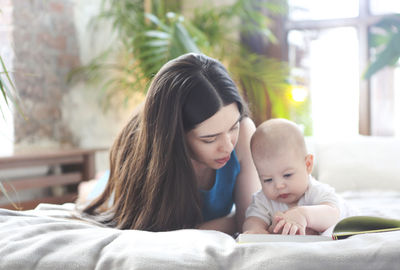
[[216, 134], [209, 136]]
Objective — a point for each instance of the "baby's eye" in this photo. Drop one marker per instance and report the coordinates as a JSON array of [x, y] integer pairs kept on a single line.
[[287, 175], [267, 180]]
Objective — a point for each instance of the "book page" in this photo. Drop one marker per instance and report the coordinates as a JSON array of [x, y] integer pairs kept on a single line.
[[251, 238]]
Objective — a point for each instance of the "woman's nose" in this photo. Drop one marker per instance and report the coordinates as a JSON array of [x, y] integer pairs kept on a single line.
[[226, 143]]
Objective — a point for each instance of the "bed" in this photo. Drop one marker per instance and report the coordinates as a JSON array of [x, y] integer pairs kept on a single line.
[[56, 237]]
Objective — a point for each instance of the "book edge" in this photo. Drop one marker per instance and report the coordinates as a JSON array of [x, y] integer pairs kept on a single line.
[[343, 235], [259, 238]]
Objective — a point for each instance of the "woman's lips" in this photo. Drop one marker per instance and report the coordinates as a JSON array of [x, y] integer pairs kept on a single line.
[[223, 160]]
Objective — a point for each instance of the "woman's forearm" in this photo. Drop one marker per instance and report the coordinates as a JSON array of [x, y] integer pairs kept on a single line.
[[255, 225], [225, 224]]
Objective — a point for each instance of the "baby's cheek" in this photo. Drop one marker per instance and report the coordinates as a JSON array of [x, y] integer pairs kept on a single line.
[[267, 193]]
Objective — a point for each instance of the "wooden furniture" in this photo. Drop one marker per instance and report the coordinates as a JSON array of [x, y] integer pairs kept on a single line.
[[66, 169]]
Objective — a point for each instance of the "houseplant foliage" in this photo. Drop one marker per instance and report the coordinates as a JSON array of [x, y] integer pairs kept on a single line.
[[150, 33], [261, 79], [7, 88], [145, 41], [387, 40], [7, 92]]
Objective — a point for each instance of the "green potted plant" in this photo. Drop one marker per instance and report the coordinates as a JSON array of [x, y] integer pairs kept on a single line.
[[150, 37], [146, 40]]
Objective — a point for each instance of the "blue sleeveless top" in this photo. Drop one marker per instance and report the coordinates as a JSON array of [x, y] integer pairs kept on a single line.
[[217, 202]]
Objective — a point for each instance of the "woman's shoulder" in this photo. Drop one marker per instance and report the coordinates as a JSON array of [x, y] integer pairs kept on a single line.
[[247, 128]]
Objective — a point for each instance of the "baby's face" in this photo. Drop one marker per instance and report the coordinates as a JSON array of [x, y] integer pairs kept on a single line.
[[284, 177]]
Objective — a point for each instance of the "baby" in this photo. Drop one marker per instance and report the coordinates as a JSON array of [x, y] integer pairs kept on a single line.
[[290, 201]]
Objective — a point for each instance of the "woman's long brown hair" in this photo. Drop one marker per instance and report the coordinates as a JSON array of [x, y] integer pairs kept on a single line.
[[152, 184]]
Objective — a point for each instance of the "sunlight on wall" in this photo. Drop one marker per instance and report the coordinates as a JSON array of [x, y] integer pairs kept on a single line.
[[334, 83], [6, 130], [7, 55]]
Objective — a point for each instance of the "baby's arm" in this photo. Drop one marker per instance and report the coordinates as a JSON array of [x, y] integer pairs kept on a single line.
[[321, 217], [315, 217], [255, 225]]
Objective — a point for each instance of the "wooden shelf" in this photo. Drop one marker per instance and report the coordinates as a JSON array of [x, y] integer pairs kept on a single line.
[[67, 168], [31, 204], [42, 182]]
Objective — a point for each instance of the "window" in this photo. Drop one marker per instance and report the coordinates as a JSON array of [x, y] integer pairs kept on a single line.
[[322, 10], [328, 52], [382, 7]]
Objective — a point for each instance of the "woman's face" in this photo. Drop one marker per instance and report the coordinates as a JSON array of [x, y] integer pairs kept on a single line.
[[212, 141]]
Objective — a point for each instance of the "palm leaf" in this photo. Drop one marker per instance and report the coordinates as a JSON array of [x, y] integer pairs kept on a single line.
[[377, 40], [3, 88], [390, 53], [4, 191], [6, 92], [154, 19], [183, 41], [150, 39], [263, 83], [387, 57], [389, 22]]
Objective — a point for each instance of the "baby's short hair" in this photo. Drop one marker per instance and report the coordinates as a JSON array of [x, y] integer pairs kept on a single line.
[[275, 135]]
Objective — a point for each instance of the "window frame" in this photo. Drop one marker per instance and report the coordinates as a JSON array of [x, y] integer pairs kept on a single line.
[[362, 23]]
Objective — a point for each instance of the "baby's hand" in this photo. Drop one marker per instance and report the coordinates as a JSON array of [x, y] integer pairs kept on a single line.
[[291, 222], [275, 221]]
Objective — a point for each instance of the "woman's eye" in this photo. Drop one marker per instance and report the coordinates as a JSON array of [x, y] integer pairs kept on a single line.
[[209, 141], [267, 180], [235, 127]]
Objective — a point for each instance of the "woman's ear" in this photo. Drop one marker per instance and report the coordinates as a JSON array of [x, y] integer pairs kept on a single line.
[[309, 163]]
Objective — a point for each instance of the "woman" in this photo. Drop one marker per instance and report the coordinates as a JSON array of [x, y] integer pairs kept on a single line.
[[184, 159]]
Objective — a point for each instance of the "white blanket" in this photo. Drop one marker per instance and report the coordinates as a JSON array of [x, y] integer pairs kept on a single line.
[[51, 238]]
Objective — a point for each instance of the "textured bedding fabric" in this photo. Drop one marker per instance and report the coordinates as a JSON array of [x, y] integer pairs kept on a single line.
[[51, 238]]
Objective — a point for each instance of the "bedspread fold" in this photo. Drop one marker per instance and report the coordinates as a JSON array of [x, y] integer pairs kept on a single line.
[[51, 237]]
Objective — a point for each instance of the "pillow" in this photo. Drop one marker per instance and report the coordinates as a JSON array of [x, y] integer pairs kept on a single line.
[[360, 163]]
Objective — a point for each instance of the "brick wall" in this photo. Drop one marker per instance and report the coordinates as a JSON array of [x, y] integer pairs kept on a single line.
[[45, 48]]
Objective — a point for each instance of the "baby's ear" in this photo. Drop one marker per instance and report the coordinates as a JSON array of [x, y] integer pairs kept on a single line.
[[309, 163]]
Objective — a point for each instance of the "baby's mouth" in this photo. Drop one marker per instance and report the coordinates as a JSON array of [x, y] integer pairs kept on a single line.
[[283, 196]]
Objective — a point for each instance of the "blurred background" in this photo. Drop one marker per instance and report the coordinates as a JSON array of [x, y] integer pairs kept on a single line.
[[72, 72]]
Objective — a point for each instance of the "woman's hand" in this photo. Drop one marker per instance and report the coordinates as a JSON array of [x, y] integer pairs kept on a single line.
[[255, 225]]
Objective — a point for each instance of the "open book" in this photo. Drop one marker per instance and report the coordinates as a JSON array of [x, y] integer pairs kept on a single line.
[[345, 228]]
